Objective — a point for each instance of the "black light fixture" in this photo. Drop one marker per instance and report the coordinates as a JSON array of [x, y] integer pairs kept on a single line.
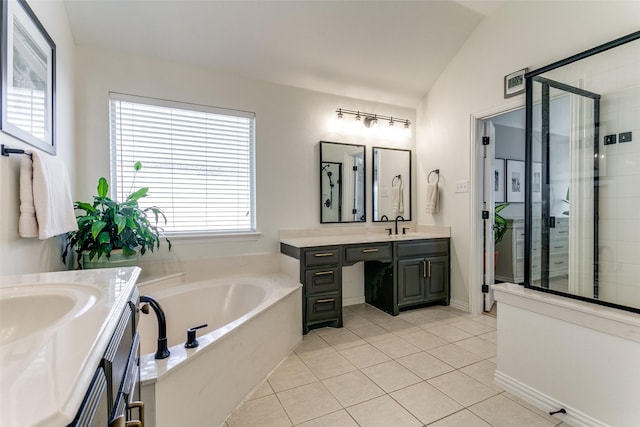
[[371, 120]]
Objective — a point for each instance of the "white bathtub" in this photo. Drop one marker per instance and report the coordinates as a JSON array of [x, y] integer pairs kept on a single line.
[[254, 323]]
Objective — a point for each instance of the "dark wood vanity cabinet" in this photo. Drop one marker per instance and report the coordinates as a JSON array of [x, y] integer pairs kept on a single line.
[[115, 390], [398, 275]]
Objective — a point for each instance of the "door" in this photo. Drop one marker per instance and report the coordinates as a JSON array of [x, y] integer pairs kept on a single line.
[[437, 281], [490, 182], [411, 276]]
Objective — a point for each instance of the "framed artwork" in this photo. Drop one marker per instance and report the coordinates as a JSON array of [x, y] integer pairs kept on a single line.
[[514, 83], [536, 182], [498, 181], [515, 181], [28, 77]]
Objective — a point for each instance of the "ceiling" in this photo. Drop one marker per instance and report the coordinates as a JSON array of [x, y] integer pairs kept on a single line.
[[384, 51]]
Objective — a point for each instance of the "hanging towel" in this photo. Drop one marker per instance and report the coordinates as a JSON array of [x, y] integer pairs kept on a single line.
[[397, 200], [433, 198], [27, 225], [51, 196]]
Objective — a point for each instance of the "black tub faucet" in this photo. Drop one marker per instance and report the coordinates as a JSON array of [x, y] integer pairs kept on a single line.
[[163, 351]]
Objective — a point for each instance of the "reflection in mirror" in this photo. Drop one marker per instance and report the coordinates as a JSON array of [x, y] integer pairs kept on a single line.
[[391, 191], [582, 219], [342, 183]]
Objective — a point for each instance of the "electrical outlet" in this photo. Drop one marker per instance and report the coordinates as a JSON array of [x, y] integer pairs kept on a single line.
[[625, 137], [462, 186], [609, 139]]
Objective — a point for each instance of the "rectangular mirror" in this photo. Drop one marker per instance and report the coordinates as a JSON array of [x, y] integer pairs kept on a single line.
[[391, 190], [342, 182]]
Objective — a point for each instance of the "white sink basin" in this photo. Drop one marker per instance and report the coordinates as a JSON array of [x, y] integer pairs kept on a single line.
[[29, 309]]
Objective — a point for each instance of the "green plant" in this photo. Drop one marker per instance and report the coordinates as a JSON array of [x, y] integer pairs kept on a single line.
[[107, 225], [499, 223]]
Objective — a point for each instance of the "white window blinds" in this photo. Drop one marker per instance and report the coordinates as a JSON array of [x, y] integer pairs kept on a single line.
[[197, 161]]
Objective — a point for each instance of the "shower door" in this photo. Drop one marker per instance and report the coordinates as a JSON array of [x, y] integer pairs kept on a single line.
[[562, 188]]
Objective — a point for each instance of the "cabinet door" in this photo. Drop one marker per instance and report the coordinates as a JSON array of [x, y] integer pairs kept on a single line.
[[411, 275], [437, 283]]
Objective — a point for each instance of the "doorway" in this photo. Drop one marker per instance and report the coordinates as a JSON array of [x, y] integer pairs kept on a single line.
[[501, 142]]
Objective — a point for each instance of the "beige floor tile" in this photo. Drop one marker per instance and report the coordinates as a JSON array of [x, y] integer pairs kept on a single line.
[[460, 419], [352, 388], [482, 348], [552, 419], [462, 388], [308, 402], [398, 326], [500, 411], [335, 419], [484, 372], [382, 411], [417, 317], [290, 374], [425, 402], [327, 363], [490, 336], [473, 327], [395, 347], [364, 356], [265, 411], [372, 333], [493, 360], [327, 330], [486, 320], [262, 391], [311, 342], [375, 315], [448, 332], [424, 340], [424, 365], [354, 320], [391, 376], [454, 355], [343, 339]]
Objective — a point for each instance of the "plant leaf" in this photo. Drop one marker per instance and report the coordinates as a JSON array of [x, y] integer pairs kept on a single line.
[[137, 166], [103, 187], [104, 237], [85, 206], [138, 194], [97, 227], [120, 221]]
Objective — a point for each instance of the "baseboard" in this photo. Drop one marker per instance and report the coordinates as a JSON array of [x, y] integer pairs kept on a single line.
[[545, 403], [460, 305], [352, 301]]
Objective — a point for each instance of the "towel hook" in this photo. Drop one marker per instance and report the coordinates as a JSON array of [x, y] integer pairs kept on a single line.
[[437, 172], [393, 181]]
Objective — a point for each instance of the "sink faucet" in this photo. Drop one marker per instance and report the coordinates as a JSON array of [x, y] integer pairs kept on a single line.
[[399, 217], [384, 218], [163, 351]]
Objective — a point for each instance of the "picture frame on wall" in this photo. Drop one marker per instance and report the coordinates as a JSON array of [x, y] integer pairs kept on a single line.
[[536, 181], [514, 83], [515, 181], [28, 77], [498, 180]]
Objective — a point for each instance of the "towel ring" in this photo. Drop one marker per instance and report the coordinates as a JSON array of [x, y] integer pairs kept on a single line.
[[437, 172], [393, 181]]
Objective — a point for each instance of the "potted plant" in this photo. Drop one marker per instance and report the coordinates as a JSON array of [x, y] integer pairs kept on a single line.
[[114, 233], [499, 229]]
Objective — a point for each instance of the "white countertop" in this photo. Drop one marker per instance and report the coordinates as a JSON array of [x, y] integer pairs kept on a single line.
[[349, 239], [44, 375]]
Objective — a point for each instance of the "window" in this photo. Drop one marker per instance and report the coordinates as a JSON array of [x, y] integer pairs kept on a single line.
[[197, 161]]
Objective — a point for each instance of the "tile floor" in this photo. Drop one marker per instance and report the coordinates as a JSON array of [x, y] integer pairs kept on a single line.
[[431, 366]]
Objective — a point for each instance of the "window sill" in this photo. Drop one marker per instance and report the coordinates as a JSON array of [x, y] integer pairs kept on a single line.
[[195, 239]]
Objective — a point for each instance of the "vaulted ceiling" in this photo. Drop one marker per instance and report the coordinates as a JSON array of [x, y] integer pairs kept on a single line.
[[384, 51]]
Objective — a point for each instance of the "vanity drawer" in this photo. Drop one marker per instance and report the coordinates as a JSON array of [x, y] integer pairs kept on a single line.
[[371, 252], [322, 256], [324, 307], [322, 280], [422, 248]]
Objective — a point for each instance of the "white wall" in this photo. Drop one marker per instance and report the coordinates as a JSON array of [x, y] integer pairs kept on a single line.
[[289, 124], [518, 35], [18, 255]]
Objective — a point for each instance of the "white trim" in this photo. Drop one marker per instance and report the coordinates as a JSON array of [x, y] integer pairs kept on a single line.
[[544, 402], [460, 304], [352, 301], [475, 221], [196, 239]]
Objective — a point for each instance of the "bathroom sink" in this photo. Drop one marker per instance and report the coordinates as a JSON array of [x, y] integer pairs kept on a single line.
[[26, 310]]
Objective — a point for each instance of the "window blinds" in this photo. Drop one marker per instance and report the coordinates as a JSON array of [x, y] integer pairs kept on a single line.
[[197, 161]]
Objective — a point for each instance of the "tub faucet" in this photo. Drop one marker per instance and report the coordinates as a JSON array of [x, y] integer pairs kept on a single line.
[[401, 218], [163, 351]]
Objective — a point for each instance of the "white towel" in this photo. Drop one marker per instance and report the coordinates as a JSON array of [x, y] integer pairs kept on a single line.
[[433, 198], [28, 224], [397, 200], [51, 196]]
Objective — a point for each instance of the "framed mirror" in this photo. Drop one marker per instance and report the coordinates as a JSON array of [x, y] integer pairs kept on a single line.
[[342, 183], [391, 185]]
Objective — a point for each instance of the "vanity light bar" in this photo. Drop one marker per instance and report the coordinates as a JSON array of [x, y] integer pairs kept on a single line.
[[370, 119]]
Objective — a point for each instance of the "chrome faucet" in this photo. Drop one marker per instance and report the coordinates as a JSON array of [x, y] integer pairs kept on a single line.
[[401, 218], [163, 351]]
